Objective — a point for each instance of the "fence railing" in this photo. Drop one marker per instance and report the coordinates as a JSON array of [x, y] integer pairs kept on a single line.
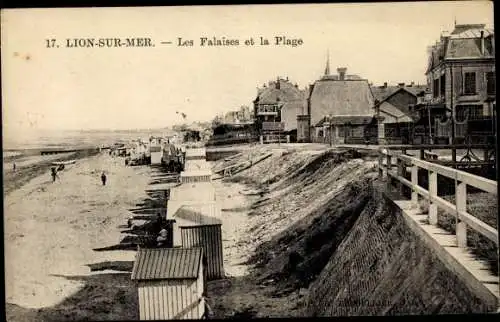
[[465, 220]]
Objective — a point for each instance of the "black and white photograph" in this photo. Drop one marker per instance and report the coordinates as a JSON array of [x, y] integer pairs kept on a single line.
[[249, 161]]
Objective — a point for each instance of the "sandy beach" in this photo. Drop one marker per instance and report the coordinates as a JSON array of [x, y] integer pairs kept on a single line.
[[51, 228]]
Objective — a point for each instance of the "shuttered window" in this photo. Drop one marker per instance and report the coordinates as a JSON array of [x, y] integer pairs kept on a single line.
[[470, 84], [435, 88], [490, 83], [442, 85]]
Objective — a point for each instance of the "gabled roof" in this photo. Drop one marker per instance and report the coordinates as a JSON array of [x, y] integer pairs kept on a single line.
[[285, 93], [380, 93], [383, 93], [393, 114], [341, 98], [167, 263]]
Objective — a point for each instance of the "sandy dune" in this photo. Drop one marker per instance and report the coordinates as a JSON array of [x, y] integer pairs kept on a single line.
[[51, 228]]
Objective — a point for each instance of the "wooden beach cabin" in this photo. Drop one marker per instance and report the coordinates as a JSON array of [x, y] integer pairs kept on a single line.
[[194, 214], [196, 154], [170, 283], [209, 237], [193, 176]]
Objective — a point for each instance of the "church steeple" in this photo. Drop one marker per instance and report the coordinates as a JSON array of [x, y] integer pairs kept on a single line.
[[327, 68]]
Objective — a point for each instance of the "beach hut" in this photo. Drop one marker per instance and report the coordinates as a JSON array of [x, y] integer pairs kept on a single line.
[[170, 283], [193, 214], [191, 176], [156, 154], [194, 165], [196, 154], [210, 238], [198, 191]]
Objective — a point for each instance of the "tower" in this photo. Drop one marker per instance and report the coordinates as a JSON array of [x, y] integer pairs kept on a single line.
[[327, 68]]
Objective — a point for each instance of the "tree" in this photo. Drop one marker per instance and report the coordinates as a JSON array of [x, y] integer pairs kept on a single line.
[[218, 120]]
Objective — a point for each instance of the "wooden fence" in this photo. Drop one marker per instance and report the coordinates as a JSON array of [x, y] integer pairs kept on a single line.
[[463, 179]]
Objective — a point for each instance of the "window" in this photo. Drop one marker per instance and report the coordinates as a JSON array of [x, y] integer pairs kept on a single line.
[[490, 83], [435, 88], [470, 84], [443, 83], [341, 131], [473, 112]]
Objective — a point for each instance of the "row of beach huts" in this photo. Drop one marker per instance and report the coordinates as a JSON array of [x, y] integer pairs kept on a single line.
[[172, 280]]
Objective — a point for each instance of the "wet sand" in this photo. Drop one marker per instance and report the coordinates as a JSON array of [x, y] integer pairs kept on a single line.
[[51, 228]]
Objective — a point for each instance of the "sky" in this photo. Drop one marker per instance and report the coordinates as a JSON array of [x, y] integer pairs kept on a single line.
[[143, 87]]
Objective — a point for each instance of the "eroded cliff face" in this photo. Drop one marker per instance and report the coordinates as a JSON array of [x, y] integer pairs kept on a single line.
[[325, 242], [383, 268]]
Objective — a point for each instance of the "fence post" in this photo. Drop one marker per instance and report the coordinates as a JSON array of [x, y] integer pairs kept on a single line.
[[261, 139], [380, 165], [382, 169], [432, 194], [388, 169], [401, 171], [461, 203], [414, 183]]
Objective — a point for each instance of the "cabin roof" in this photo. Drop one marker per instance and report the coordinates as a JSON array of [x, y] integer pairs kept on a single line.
[[341, 98], [199, 214], [167, 263]]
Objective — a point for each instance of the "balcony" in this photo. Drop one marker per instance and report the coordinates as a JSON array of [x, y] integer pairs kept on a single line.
[[262, 113], [469, 97], [271, 109], [273, 126]]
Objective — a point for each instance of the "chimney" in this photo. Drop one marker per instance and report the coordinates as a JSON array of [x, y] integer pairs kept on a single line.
[[482, 42], [341, 71], [385, 84], [278, 83]]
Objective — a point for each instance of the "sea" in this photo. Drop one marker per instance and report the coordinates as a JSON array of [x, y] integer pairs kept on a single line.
[[71, 139]]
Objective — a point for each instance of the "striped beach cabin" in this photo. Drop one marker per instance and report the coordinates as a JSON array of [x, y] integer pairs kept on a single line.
[[170, 283]]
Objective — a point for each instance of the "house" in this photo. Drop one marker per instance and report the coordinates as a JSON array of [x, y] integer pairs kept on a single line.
[[231, 117], [233, 134], [340, 109], [244, 115], [461, 78], [170, 283], [276, 108], [395, 113]]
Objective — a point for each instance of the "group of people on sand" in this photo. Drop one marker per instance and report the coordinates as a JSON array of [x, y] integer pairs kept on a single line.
[[54, 170]]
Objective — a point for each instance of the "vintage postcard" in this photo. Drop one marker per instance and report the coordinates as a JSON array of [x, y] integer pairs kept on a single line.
[[255, 161]]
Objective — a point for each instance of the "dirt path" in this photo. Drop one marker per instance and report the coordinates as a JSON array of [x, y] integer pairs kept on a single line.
[[51, 228]]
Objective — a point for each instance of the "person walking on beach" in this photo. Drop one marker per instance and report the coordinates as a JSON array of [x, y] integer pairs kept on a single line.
[[103, 178], [53, 174], [14, 166]]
